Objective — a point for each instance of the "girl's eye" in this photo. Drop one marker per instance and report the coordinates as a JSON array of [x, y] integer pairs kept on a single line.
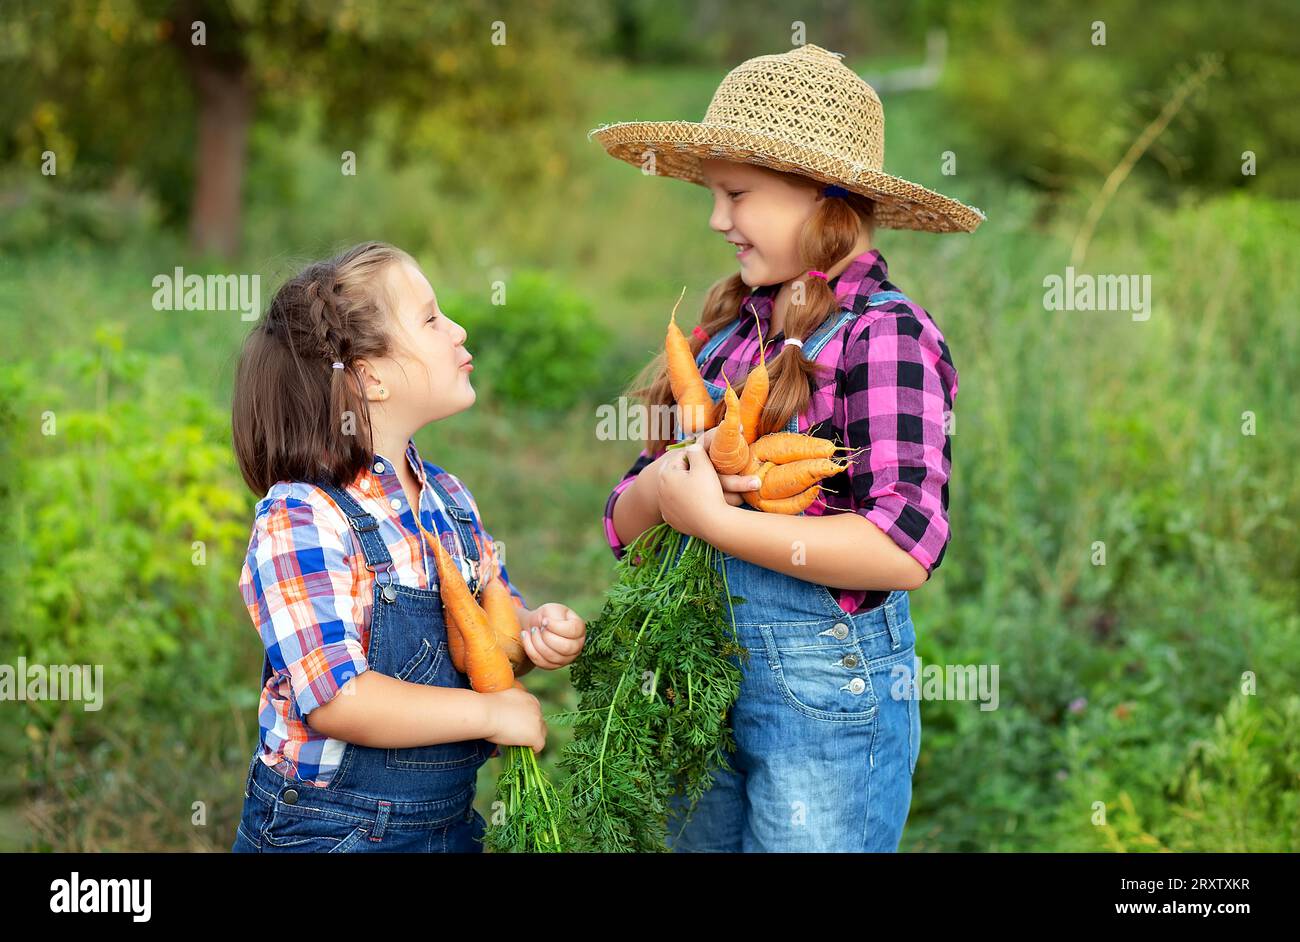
[[734, 193]]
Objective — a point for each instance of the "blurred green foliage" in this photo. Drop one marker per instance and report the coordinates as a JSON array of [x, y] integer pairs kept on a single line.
[[1051, 107], [1127, 718], [541, 345]]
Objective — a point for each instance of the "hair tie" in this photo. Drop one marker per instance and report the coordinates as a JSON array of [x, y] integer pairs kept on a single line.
[[819, 274], [834, 190], [698, 331], [794, 342], [338, 365]]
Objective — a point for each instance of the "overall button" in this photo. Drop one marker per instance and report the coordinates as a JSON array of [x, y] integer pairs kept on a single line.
[[857, 685], [850, 660], [379, 467], [290, 796], [840, 631]]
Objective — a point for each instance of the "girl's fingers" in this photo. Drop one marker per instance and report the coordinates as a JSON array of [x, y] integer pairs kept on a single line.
[[546, 645], [535, 654], [738, 483], [560, 645], [570, 627]]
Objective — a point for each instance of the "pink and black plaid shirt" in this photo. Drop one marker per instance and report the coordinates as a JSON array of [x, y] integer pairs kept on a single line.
[[891, 387]]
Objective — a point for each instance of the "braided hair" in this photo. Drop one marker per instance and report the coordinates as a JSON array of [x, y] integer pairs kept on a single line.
[[827, 238], [299, 410]]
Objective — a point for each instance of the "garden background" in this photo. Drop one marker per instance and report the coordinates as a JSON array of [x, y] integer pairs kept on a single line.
[[1149, 703]]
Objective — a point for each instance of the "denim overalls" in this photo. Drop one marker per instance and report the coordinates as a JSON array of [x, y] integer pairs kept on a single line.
[[419, 799], [827, 734]]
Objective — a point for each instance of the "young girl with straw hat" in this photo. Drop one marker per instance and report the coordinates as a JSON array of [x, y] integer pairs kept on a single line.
[[827, 725]]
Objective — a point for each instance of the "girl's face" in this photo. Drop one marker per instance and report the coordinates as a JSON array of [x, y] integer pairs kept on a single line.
[[426, 374], [761, 213]]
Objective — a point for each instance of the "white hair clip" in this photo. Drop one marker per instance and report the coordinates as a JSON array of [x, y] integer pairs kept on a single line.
[[794, 342], [338, 365]]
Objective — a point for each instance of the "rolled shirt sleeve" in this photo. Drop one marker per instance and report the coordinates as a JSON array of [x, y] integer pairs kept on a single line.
[[900, 385], [297, 586]]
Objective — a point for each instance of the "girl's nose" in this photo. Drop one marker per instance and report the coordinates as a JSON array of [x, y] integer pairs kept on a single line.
[[720, 220]]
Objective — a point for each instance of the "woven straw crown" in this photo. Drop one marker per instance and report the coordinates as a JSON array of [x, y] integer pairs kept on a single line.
[[802, 111]]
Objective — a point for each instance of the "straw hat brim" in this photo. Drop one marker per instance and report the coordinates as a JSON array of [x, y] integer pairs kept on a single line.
[[679, 146]]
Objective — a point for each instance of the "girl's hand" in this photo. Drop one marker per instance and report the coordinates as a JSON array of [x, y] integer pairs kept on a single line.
[[554, 636], [690, 493], [515, 719], [733, 485]]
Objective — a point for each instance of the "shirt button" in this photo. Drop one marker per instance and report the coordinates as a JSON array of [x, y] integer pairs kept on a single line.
[[379, 467], [290, 796], [840, 631], [365, 484], [396, 504], [857, 685]]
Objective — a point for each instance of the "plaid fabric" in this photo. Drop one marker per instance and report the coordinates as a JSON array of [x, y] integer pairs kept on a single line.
[[890, 385], [309, 594]]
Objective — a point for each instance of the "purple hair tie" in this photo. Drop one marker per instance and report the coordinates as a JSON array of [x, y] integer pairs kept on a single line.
[[833, 190]]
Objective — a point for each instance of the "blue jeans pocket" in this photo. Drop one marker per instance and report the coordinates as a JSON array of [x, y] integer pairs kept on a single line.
[[311, 832], [820, 671]]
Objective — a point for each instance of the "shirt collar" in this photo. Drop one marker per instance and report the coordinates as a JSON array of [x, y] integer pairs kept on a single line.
[[382, 477], [853, 286]]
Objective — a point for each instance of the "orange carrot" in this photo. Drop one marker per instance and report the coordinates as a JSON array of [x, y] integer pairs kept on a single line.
[[729, 451], [785, 447], [791, 505], [499, 606], [754, 396], [694, 403], [789, 480], [487, 665], [455, 644], [759, 470]]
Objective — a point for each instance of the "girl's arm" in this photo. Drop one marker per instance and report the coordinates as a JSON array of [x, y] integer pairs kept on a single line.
[[635, 507], [897, 388], [383, 712], [844, 551]]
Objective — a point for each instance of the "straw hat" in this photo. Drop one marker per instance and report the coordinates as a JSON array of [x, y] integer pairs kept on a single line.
[[803, 111]]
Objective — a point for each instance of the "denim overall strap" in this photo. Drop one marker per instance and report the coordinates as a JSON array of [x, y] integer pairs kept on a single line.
[[881, 297], [715, 341], [372, 545], [814, 344], [463, 521], [366, 528]]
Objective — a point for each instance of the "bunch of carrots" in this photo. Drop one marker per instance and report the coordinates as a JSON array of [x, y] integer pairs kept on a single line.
[[789, 465], [484, 643]]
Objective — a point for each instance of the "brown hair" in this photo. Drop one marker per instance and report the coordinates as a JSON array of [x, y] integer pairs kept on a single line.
[[294, 416], [826, 239]]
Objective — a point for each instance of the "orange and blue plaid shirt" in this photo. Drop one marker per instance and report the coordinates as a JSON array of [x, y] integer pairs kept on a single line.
[[309, 594]]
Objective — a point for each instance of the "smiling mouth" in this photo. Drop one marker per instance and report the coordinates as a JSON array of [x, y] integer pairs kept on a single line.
[[742, 248]]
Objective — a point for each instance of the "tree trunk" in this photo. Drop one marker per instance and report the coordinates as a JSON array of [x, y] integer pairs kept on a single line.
[[225, 100]]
